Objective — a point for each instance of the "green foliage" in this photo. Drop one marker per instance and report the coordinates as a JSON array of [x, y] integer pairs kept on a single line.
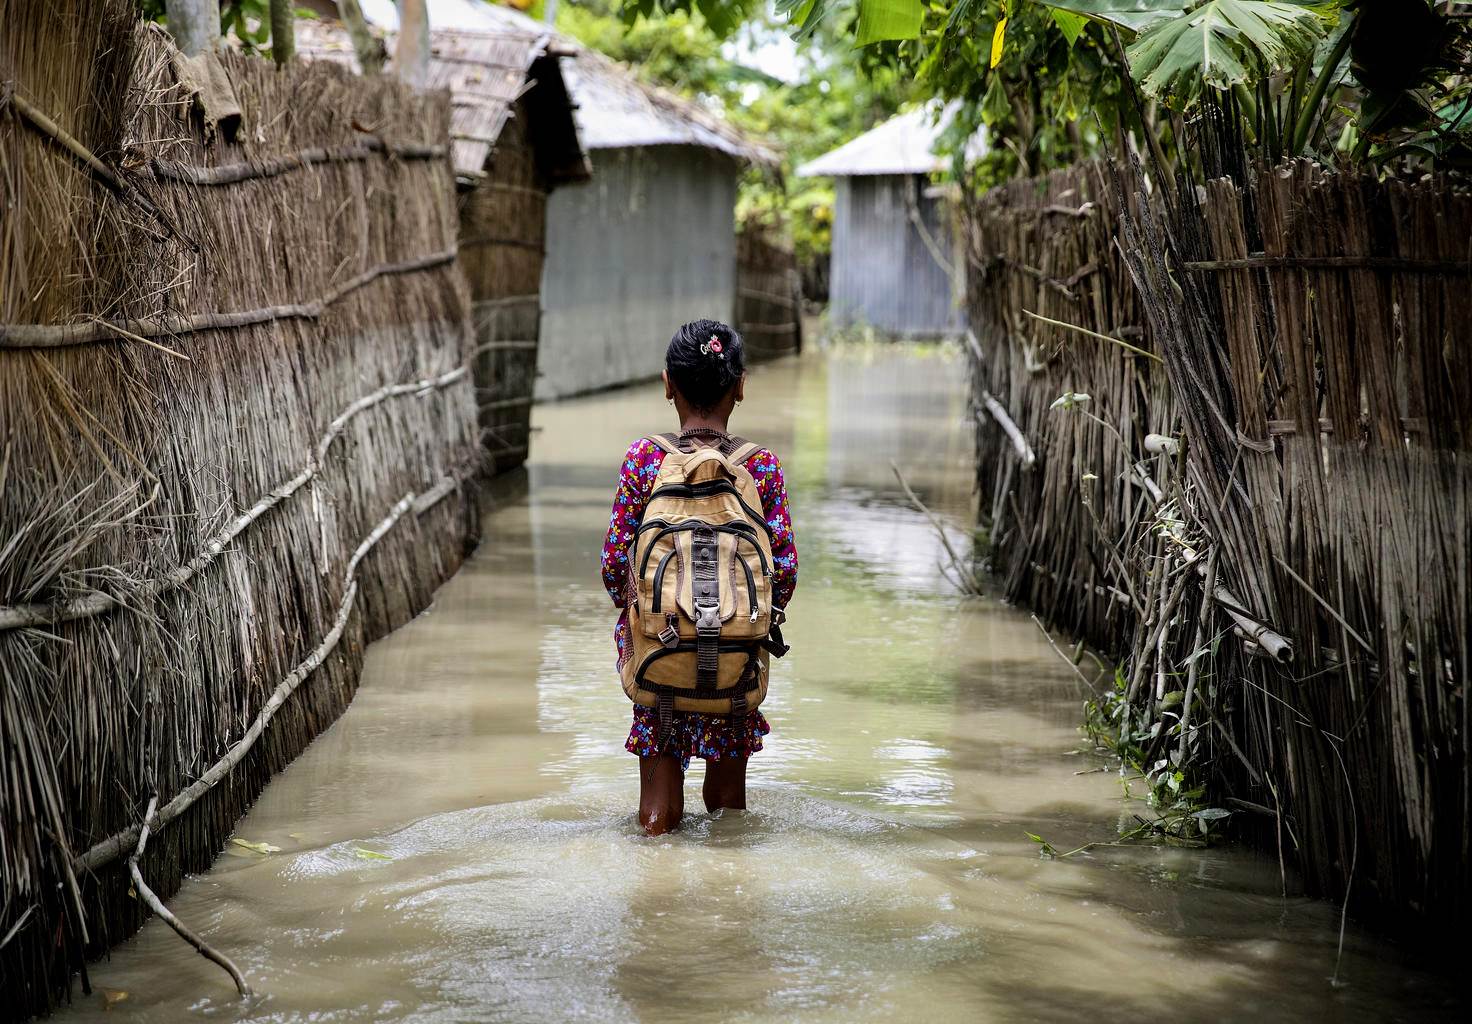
[[1144, 738], [1221, 44], [835, 98], [248, 20]]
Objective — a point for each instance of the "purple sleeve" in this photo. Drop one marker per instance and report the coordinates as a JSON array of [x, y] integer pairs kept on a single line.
[[766, 470], [641, 465]]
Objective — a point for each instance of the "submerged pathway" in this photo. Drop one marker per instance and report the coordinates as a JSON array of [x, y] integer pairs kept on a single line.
[[461, 845]]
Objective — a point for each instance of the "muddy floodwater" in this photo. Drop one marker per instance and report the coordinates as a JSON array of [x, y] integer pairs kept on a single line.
[[461, 845]]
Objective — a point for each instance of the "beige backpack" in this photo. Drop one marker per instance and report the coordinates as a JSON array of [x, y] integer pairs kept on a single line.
[[700, 575]]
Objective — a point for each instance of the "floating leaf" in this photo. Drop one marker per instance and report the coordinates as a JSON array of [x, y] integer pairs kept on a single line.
[[261, 848], [112, 996], [370, 854]]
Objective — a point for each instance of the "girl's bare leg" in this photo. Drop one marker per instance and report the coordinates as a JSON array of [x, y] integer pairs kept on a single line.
[[725, 784], [661, 794]]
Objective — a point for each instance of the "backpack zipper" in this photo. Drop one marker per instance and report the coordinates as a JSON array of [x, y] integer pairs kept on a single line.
[[750, 585]]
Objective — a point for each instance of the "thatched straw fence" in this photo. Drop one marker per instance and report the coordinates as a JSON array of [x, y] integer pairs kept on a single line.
[[235, 414], [503, 242], [768, 294], [1302, 514]]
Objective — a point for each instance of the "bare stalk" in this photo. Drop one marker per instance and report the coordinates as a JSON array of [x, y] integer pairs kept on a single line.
[[155, 904]]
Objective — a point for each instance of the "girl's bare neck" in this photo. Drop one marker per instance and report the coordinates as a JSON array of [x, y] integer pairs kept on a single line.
[[697, 422]]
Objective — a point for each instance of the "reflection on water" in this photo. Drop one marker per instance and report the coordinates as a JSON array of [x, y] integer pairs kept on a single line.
[[461, 846]]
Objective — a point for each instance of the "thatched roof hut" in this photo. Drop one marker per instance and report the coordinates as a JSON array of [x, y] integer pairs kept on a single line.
[[235, 415], [513, 140], [896, 265]]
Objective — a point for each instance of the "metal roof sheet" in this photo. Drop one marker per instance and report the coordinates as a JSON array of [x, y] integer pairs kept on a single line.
[[905, 144]]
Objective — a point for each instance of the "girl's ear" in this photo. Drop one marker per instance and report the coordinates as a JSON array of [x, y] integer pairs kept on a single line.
[[669, 389], [741, 387]]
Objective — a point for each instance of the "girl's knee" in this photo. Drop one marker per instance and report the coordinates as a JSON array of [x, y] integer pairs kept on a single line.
[[659, 818]]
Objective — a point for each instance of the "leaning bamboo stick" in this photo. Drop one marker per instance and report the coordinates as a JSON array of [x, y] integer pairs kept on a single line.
[[1014, 434], [155, 904], [109, 849], [97, 602], [65, 335], [230, 174]]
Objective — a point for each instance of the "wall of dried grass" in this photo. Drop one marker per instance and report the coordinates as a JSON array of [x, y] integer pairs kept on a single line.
[[1313, 536], [503, 242], [768, 294], [185, 533]]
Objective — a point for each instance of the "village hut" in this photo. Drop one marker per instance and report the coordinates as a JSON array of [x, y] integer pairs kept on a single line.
[[896, 264], [236, 419], [650, 243], [513, 140]]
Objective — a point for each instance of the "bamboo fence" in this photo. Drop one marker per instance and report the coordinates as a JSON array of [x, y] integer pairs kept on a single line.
[[768, 294], [503, 243], [1302, 453], [236, 412]]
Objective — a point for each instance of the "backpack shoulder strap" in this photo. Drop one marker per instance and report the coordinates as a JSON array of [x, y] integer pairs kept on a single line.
[[744, 450], [670, 443]]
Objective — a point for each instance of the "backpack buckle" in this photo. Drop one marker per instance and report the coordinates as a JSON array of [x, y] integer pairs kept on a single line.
[[670, 635]]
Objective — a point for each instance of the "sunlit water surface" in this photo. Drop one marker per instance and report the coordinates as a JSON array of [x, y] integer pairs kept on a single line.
[[461, 845]]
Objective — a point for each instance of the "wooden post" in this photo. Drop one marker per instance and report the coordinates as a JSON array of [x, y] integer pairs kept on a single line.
[[411, 53], [365, 45], [283, 31], [194, 24]]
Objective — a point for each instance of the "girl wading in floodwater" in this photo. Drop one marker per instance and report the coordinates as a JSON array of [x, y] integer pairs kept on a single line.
[[701, 559]]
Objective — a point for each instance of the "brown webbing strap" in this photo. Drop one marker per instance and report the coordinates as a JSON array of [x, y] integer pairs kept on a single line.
[[666, 704], [742, 452], [738, 712], [706, 592]]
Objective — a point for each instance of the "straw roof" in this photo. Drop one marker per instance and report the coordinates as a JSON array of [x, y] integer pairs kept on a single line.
[[905, 144], [615, 110], [486, 71]]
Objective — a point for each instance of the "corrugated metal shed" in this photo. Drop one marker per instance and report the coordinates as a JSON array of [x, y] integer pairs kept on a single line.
[[905, 144], [617, 111], [486, 73]]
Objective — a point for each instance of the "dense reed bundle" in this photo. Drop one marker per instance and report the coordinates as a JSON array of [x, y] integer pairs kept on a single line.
[[1314, 517], [503, 242], [235, 410], [768, 293]]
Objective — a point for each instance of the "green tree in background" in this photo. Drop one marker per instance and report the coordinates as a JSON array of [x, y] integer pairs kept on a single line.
[[838, 93]]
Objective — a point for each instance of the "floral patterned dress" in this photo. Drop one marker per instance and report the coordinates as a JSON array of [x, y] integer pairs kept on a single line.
[[694, 734]]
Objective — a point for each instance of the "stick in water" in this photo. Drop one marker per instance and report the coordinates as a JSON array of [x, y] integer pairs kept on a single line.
[[155, 904]]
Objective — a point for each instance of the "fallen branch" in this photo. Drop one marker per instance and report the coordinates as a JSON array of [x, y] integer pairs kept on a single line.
[[1071, 664], [967, 576], [155, 904], [1019, 441]]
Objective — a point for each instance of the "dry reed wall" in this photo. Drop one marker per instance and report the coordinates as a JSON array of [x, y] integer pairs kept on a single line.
[[768, 294], [503, 243], [187, 535], [1310, 328]]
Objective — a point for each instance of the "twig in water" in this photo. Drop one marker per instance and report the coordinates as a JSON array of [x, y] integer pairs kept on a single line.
[[1059, 651], [148, 896], [966, 574]]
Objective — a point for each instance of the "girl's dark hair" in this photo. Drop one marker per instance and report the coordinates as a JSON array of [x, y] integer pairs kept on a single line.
[[700, 373]]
